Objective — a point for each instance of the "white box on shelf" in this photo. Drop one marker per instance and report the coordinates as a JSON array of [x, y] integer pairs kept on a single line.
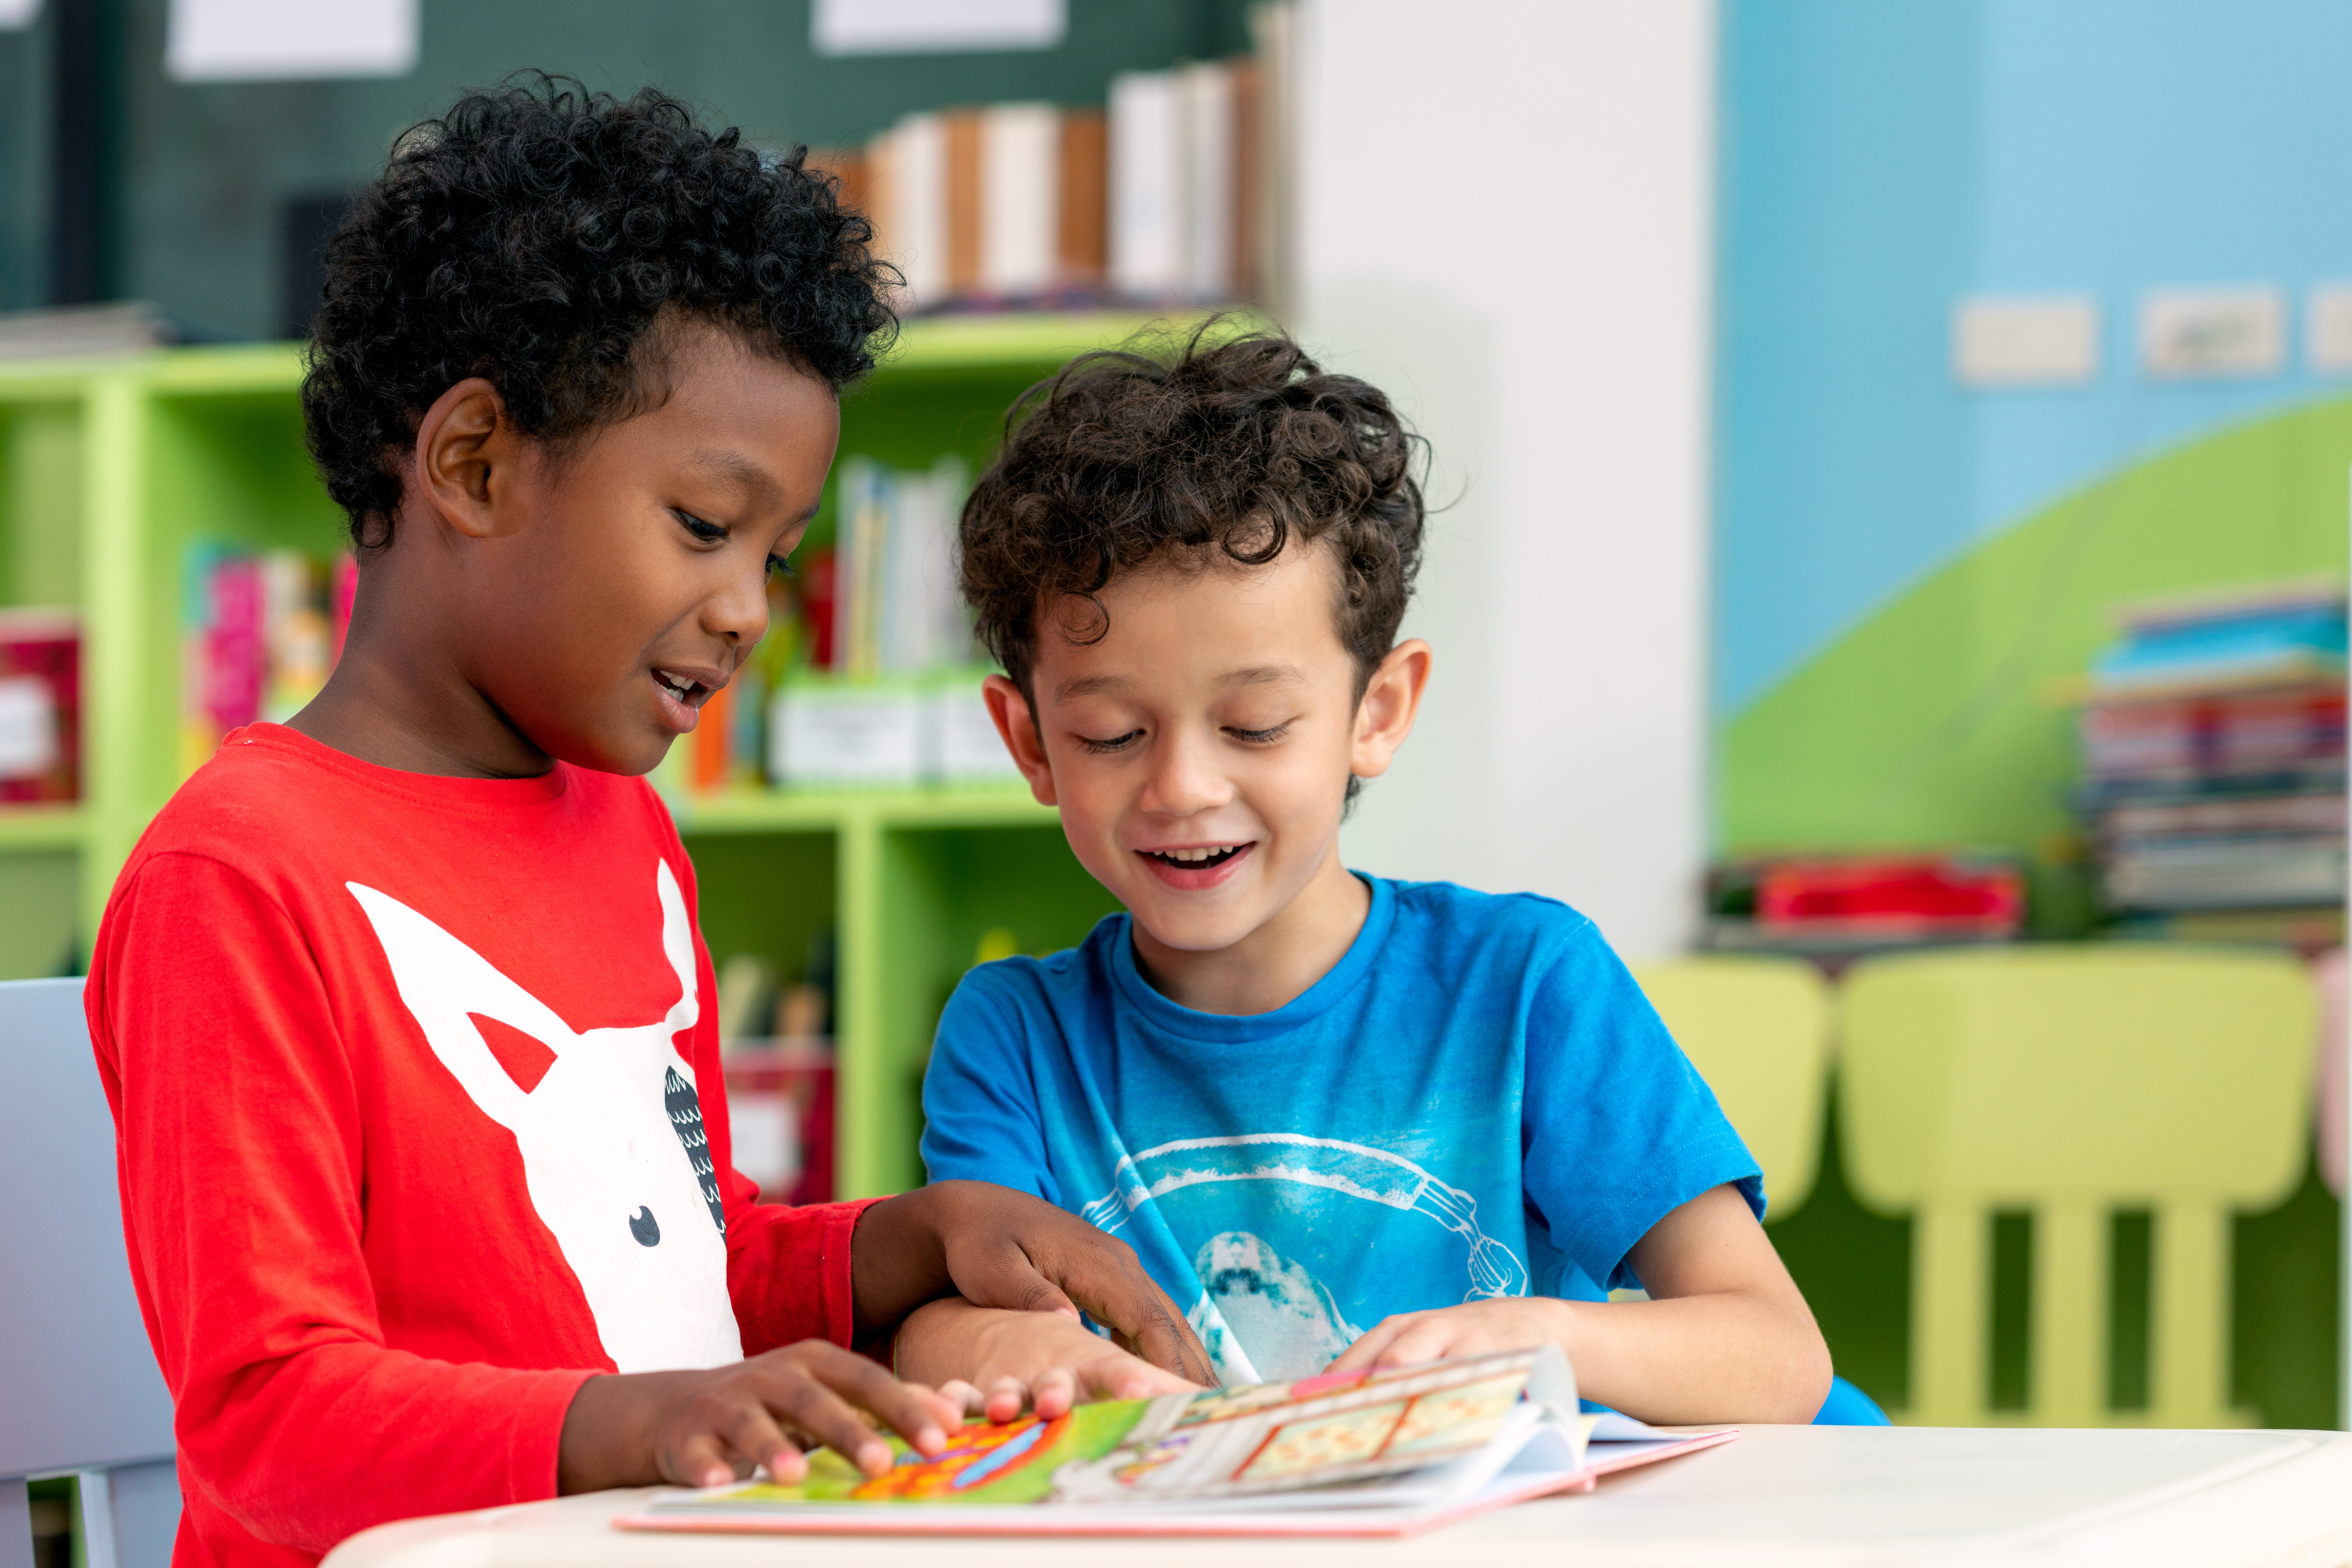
[[960, 743], [840, 734]]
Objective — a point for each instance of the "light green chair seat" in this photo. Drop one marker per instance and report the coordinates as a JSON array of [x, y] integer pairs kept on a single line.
[[1757, 1028], [2071, 1082]]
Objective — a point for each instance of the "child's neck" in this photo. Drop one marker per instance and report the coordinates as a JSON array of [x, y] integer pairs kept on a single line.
[[1273, 964]]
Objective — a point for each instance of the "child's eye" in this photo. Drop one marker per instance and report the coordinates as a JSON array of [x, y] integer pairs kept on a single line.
[[1262, 737], [780, 565], [1116, 743], [708, 533]]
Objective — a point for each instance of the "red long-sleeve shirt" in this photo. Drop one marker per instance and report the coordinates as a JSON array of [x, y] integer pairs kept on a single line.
[[416, 1088]]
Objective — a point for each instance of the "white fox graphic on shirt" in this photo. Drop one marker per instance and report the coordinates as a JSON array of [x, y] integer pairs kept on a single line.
[[611, 1137]]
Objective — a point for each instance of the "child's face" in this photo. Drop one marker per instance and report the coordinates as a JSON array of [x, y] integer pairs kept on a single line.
[[1199, 751], [609, 593]]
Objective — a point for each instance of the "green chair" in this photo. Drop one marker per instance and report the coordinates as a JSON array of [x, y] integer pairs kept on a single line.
[[1758, 1030], [2070, 1082]]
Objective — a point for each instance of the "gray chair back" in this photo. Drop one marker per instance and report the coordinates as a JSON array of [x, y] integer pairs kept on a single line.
[[79, 1392]]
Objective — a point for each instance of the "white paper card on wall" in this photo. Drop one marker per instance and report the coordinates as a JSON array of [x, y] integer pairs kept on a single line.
[[2186, 334], [289, 40], [15, 14], [935, 27], [28, 727], [2327, 329], [2025, 340]]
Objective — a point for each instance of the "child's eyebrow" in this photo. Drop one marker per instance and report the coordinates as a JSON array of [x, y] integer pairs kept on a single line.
[[733, 468], [1264, 675], [1252, 675]]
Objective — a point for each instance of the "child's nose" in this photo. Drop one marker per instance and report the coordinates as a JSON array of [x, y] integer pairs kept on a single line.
[[740, 612], [1184, 778]]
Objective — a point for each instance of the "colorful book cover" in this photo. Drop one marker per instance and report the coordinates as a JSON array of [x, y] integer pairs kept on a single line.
[[1381, 1452]]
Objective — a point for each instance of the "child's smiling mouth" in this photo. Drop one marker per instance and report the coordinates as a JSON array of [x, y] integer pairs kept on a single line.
[[683, 693], [1193, 867]]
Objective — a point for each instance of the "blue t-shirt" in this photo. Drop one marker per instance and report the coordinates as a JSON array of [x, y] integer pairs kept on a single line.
[[1475, 1101]]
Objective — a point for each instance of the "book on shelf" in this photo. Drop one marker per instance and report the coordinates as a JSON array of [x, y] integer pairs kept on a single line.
[[1864, 901], [260, 631], [41, 705], [1170, 194], [2212, 737], [1392, 1452]]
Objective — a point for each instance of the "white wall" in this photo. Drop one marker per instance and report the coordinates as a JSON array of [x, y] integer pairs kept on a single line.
[[1504, 222]]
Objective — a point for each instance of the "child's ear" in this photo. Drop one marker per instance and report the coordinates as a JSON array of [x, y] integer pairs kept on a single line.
[[467, 449], [1384, 718], [1016, 723]]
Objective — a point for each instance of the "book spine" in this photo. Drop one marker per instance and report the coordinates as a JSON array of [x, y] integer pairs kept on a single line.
[[1083, 192], [1019, 173], [961, 135], [1147, 184], [1208, 165]]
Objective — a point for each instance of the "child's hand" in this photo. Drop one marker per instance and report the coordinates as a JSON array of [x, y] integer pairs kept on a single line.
[[997, 1247], [994, 1362], [1474, 1328], [706, 1428]]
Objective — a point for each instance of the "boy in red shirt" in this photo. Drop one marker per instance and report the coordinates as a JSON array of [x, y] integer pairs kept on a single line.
[[401, 1008]]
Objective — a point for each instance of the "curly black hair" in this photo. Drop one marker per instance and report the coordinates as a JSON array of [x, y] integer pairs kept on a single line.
[[1231, 444], [535, 236]]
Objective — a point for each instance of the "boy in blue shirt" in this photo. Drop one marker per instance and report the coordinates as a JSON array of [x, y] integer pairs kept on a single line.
[[1345, 1121]]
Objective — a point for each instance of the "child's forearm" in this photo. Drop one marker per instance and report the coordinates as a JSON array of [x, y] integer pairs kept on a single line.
[[1727, 1357]]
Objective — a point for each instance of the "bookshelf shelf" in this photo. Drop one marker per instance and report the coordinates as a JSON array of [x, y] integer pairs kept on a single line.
[[40, 827], [798, 811], [111, 468]]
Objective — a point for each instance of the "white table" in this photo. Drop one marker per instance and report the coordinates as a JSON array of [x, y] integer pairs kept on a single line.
[[1780, 1497]]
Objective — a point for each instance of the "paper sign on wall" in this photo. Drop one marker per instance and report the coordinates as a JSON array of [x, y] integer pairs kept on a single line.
[[935, 27], [286, 40], [2327, 329], [2190, 334], [2025, 340]]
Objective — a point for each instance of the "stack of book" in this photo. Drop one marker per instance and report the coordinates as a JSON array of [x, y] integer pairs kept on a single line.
[[260, 632], [2213, 765], [1173, 193], [41, 705]]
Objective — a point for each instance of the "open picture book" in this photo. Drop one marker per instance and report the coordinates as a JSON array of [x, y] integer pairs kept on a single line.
[[1392, 1452]]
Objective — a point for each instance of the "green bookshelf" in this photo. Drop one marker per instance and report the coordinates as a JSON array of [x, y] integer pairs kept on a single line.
[[110, 468]]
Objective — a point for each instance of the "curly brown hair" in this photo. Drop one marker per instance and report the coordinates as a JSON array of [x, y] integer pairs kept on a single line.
[[1232, 445]]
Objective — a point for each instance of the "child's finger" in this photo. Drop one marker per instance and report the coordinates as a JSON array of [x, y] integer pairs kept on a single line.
[[703, 1460], [1125, 1377], [1368, 1345], [746, 1428], [825, 1372], [966, 1397], [1429, 1338], [1052, 1392], [1141, 1313], [947, 1409], [1006, 1396], [824, 1415]]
